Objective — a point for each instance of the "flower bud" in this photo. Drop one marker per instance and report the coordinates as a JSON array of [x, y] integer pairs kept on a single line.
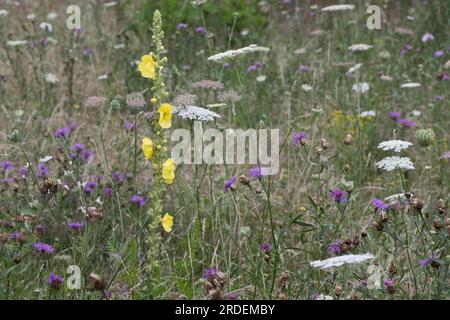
[[324, 143], [348, 139], [425, 137]]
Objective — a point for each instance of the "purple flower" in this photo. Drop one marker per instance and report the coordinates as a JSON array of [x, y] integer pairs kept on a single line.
[[388, 283], [210, 273], [55, 281], [108, 191], [87, 52], [233, 296], [427, 37], [118, 176], [335, 247], [89, 187], [138, 200], [445, 155], [7, 165], [75, 226], [438, 98], [379, 204], [428, 260], [266, 247], [200, 30], [445, 76], [297, 137], [41, 247], [77, 147], [406, 123], [15, 235], [407, 47], [41, 170], [181, 26], [438, 53], [303, 68], [63, 132], [338, 196], [128, 126], [252, 68], [394, 115], [229, 184]]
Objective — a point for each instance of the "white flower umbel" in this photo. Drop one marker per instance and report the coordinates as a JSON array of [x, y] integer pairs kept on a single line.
[[235, 54], [341, 260], [392, 163], [356, 67], [16, 43], [360, 47], [410, 85], [395, 145], [306, 87], [195, 113], [3, 13], [368, 113], [361, 87], [338, 7], [398, 198], [51, 78]]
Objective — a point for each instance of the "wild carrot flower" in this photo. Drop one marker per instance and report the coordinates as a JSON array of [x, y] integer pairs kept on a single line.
[[232, 55], [165, 115], [167, 222], [41, 247], [392, 163], [196, 113], [147, 67], [55, 281], [138, 200], [341, 260], [229, 184], [208, 84], [410, 85], [338, 196], [147, 148], [395, 145], [168, 171]]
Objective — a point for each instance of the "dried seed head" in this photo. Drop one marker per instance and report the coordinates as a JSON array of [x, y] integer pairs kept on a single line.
[[348, 139], [318, 151], [392, 269], [384, 217], [96, 282], [437, 224], [418, 205], [324, 143], [378, 225], [4, 237], [244, 180]]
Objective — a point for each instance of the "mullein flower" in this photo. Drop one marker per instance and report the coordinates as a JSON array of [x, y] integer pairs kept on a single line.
[[147, 148], [147, 67], [165, 115], [167, 222], [168, 171]]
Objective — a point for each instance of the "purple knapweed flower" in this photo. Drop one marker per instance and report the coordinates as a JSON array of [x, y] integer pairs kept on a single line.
[[229, 184], [75, 226], [445, 155], [338, 196], [334, 247], [128, 126], [108, 191], [379, 204], [388, 283], [258, 172], [7, 165], [297, 137], [55, 281], [438, 98], [438, 53], [118, 176], [41, 247], [89, 187], [427, 37], [181, 26], [445, 76], [394, 115], [63, 132], [200, 30], [87, 52], [303, 68], [41, 170], [428, 260], [138, 200], [252, 68], [210, 273], [266, 247], [407, 123]]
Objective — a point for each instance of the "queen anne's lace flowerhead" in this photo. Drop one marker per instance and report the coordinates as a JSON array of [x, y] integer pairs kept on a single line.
[[338, 7], [341, 260], [360, 47], [361, 87], [410, 85], [395, 145], [397, 198], [392, 163], [231, 55], [196, 113]]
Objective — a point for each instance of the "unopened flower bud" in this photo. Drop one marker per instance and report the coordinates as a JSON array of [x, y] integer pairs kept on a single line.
[[437, 224], [348, 139], [425, 137], [3, 237], [20, 218], [318, 151], [244, 180], [324, 143]]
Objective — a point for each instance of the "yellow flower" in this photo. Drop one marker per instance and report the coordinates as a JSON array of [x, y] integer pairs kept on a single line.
[[165, 115], [168, 171], [147, 148], [147, 67], [167, 222]]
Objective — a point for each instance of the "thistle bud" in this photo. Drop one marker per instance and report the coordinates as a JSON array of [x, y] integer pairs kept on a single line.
[[384, 217], [318, 151], [418, 205], [17, 259], [324, 143], [244, 180], [437, 224], [338, 291], [20, 218], [3, 237], [425, 137], [348, 139]]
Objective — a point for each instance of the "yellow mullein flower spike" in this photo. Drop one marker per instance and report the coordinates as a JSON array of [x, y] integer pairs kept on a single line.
[[147, 67], [167, 222], [168, 171], [147, 148], [165, 115]]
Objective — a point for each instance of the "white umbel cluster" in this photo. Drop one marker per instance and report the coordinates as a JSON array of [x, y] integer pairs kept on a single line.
[[196, 113], [360, 47], [395, 145], [392, 163], [341, 260], [235, 54], [338, 7]]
